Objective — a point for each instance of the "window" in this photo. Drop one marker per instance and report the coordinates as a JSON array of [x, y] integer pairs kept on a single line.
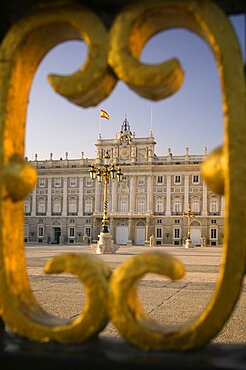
[[159, 233], [40, 231], [195, 179], [213, 221], [141, 180], [159, 205], [87, 221], [123, 205], [141, 205], [213, 205], [177, 179], [176, 233], [213, 234], [177, 221], [41, 206], [73, 181], [71, 232], [159, 221], [177, 205], [159, 180], [41, 183], [57, 182], [27, 208], [72, 205], [88, 231], [88, 205], [195, 205], [57, 206]]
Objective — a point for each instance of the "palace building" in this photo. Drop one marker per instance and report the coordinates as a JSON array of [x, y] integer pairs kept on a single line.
[[66, 205]]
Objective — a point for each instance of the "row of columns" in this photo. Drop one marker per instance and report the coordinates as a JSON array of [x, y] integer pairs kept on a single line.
[[64, 204], [132, 194]]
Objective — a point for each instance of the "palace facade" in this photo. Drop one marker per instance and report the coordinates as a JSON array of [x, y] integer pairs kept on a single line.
[[66, 205]]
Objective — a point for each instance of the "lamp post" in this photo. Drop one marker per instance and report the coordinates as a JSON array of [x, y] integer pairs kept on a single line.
[[103, 174], [189, 214]]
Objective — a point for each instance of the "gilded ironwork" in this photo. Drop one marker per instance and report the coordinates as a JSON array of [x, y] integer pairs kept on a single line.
[[104, 173], [189, 214], [110, 58]]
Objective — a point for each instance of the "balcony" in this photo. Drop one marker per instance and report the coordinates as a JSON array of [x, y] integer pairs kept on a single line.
[[177, 213], [72, 213], [159, 213], [41, 213], [56, 214], [88, 213]]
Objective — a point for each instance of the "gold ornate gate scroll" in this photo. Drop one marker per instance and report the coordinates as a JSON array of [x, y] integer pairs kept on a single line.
[[21, 51]]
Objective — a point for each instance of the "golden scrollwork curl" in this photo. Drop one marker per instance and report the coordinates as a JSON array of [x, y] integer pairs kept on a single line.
[[131, 30], [126, 312], [21, 51]]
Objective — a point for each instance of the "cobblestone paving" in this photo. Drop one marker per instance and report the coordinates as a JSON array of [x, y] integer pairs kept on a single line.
[[170, 303]]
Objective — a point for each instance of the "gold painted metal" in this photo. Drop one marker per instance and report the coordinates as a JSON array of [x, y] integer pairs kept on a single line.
[[202, 18], [20, 53], [133, 27], [189, 214], [20, 178], [105, 173], [125, 309], [213, 170]]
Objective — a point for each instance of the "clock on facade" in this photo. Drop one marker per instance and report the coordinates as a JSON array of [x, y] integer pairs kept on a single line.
[[124, 152]]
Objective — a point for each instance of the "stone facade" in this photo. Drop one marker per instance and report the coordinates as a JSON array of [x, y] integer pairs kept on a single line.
[[66, 205]]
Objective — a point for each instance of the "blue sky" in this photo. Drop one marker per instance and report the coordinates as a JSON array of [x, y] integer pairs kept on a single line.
[[190, 118]]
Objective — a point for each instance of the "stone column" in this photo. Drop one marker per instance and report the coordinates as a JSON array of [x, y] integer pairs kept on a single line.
[[114, 195], [130, 231], [186, 192], [150, 194], [111, 227], [81, 196], [94, 231], [64, 199], [132, 193], [48, 213], [34, 201], [204, 199], [147, 231], [222, 205], [97, 197], [168, 201]]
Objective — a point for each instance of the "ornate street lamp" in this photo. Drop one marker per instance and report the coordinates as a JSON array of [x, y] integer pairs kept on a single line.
[[103, 174], [189, 214]]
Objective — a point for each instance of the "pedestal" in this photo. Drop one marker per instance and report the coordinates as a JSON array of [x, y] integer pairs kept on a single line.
[[105, 244], [189, 244]]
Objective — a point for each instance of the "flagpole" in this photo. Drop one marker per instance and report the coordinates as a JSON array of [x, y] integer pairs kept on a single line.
[[100, 127], [151, 121]]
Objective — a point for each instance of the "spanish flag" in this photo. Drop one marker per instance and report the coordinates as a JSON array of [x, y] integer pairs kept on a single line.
[[104, 114]]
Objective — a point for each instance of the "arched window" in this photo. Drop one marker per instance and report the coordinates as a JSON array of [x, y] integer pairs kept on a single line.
[[177, 207], [41, 205], [57, 205], [123, 204], [195, 204], [141, 205], [27, 207], [159, 205], [88, 205], [214, 208], [72, 205]]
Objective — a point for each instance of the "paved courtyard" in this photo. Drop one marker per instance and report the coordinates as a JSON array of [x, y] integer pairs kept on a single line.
[[170, 303]]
